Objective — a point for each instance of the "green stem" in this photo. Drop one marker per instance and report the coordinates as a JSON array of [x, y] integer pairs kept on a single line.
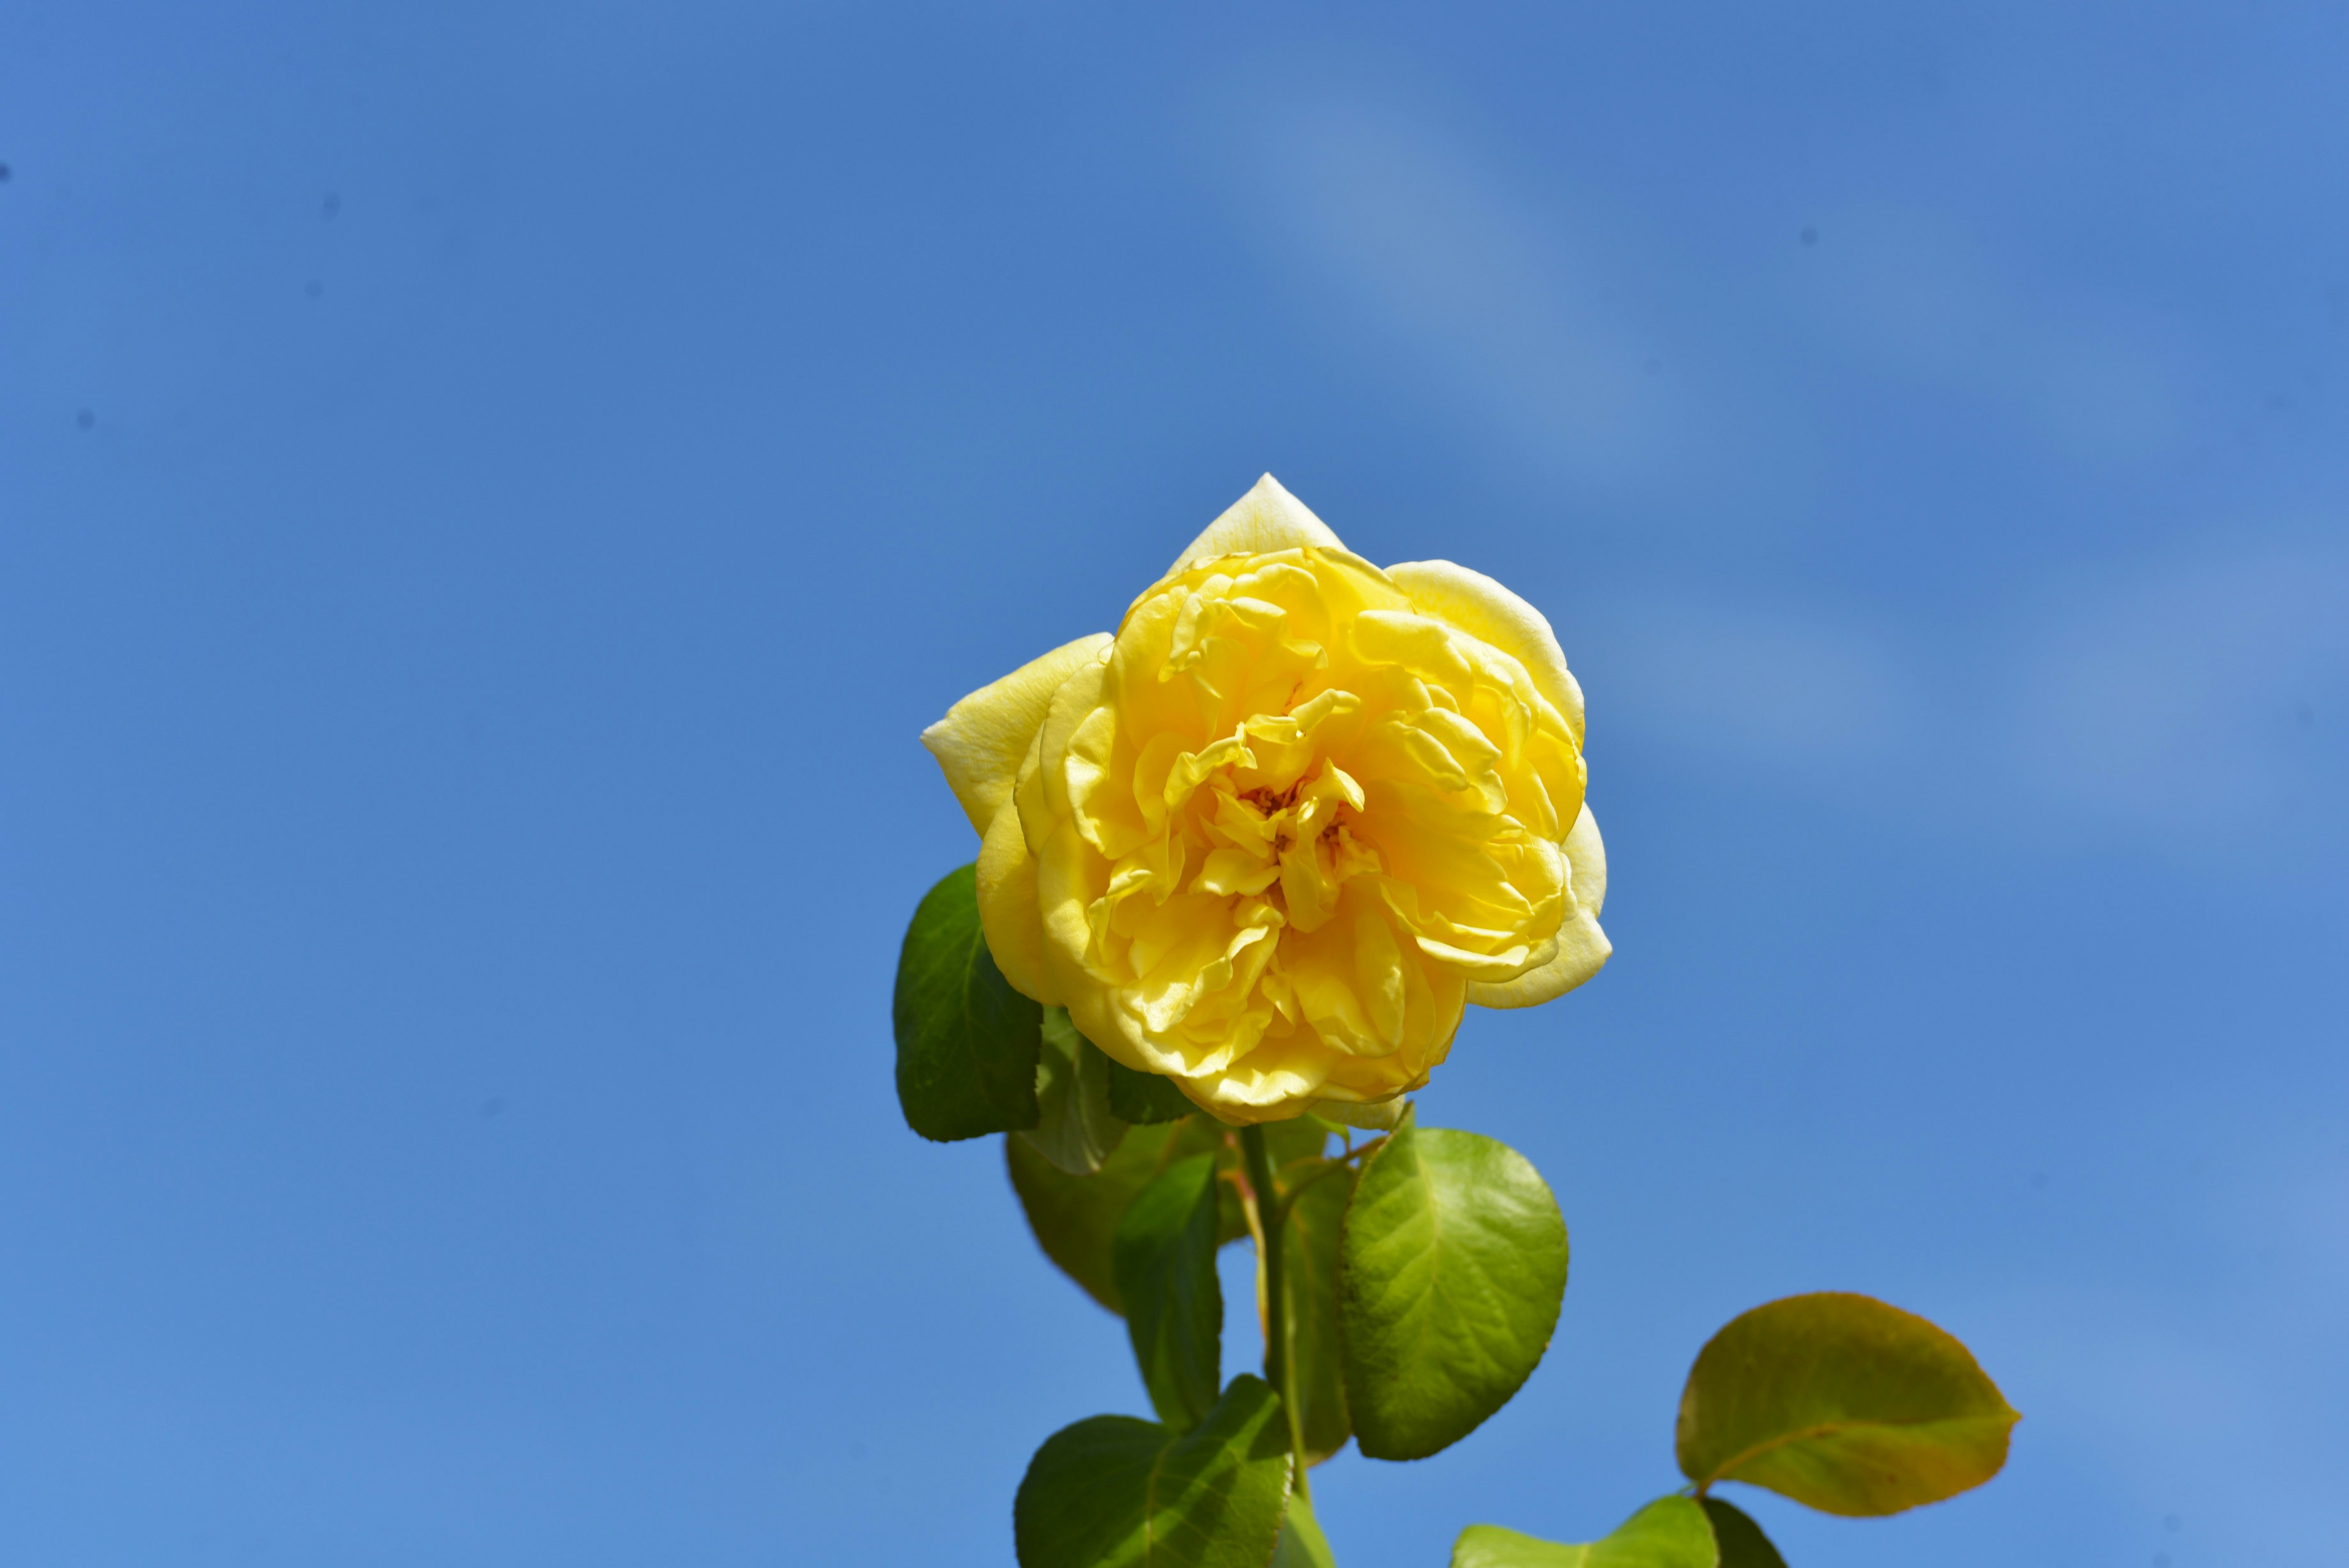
[[1279, 1365], [1331, 1167]]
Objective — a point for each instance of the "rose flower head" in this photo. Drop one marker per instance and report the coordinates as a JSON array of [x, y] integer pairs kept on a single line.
[[1270, 837]]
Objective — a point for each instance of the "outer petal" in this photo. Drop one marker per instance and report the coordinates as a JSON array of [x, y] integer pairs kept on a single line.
[[1582, 947], [984, 738], [1491, 613], [1008, 911], [1266, 518], [1061, 896]]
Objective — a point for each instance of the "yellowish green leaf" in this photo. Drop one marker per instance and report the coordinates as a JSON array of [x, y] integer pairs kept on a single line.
[[1844, 1402], [1453, 1266], [1670, 1532]]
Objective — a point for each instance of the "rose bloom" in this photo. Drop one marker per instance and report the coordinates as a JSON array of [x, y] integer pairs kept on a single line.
[[1273, 835]]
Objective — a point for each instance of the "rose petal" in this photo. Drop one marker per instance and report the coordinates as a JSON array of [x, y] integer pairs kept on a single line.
[[1266, 519], [1009, 913], [1582, 947], [1492, 614], [984, 738]]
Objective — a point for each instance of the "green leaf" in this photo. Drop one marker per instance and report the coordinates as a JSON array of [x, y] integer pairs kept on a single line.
[[1309, 1240], [1490, 1546], [1164, 1251], [1076, 1130], [1301, 1544], [1670, 1532], [1453, 1266], [1843, 1402], [1299, 1137], [1144, 1097], [1075, 1218], [1116, 1493], [967, 1042], [1742, 1543]]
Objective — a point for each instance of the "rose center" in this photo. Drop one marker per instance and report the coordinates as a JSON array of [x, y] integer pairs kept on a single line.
[[1292, 847]]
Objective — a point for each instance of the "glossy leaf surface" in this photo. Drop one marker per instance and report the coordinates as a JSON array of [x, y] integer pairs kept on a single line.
[[1310, 1256], [1742, 1543], [1670, 1532], [1117, 1492], [1164, 1253], [1144, 1097], [1075, 1129], [1299, 1137], [1075, 1218], [1490, 1546], [967, 1042], [1453, 1266], [1301, 1544], [1844, 1402]]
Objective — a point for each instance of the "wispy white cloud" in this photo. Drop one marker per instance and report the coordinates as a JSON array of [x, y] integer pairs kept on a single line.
[[1542, 312], [2197, 706], [2198, 709], [1422, 240]]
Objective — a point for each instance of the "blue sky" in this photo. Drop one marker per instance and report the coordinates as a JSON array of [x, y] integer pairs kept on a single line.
[[490, 493]]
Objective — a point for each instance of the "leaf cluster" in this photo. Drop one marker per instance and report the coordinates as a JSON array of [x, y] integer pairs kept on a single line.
[[1408, 1285], [1835, 1400]]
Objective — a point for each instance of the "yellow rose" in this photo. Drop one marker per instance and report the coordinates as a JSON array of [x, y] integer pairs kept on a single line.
[[1273, 835]]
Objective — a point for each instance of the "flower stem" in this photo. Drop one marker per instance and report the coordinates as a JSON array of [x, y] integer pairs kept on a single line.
[[1279, 1365]]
